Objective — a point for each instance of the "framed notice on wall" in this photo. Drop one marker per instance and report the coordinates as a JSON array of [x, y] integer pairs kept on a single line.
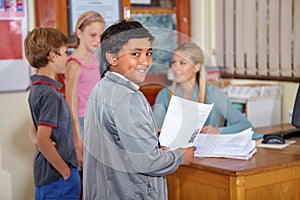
[[14, 69], [109, 9]]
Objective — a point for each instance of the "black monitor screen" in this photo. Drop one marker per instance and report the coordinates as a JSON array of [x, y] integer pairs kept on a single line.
[[296, 110]]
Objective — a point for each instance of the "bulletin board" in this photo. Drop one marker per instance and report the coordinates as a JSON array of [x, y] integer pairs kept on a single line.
[[14, 69]]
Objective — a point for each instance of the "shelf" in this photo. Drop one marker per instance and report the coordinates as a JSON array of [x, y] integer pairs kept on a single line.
[[152, 10], [260, 77]]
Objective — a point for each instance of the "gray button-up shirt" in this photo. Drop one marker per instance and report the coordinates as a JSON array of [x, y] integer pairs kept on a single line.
[[122, 159]]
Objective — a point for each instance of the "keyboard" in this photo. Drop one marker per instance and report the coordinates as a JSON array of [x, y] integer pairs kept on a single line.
[[295, 132]]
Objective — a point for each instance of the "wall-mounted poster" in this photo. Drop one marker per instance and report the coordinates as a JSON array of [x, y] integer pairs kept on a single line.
[[11, 44], [109, 9], [14, 69]]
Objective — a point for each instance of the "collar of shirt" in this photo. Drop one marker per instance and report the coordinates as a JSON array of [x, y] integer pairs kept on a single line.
[[126, 79], [38, 79]]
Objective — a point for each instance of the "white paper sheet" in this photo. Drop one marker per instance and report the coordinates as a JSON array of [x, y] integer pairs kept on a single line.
[[183, 121], [238, 145]]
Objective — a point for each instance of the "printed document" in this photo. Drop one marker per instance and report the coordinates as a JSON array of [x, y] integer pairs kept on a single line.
[[183, 122], [238, 145]]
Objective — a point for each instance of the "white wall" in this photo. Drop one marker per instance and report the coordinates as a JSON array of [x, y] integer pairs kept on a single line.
[[16, 150]]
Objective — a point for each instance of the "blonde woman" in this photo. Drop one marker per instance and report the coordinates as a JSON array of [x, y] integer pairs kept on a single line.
[[189, 83]]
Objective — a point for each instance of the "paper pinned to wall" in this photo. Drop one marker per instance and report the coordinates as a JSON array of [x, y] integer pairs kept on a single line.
[[14, 69]]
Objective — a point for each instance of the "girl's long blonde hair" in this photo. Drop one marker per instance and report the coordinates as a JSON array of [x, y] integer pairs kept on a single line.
[[195, 54], [86, 19]]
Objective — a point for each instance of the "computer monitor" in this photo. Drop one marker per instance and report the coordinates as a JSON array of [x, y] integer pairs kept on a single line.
[[296, 110]]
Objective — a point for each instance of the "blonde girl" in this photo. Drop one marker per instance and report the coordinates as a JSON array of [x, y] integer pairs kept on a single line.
[[83, 71]]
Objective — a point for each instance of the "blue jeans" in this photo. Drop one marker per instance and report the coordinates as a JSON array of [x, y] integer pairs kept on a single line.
[[60, 189]]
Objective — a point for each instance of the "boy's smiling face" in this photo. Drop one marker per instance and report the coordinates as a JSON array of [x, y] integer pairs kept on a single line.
[[134, 59]]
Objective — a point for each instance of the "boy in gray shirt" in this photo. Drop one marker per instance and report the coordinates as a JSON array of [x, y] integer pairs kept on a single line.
[[122, 157]]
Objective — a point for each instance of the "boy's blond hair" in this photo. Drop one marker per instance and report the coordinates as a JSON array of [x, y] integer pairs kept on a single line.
[[40, 41]]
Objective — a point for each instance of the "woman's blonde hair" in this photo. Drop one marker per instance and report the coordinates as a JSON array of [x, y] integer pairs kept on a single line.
[[86, 19], [195, 54]]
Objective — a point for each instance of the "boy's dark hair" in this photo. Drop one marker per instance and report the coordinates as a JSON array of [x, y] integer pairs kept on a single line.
[[115, 36], [40, 41]]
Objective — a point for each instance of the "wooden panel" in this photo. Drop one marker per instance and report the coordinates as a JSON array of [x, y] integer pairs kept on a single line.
[[272, 177], [193, 190], [283, 190], [150, 91], [261, 179], [285, 38], [125, 9], [183, 17], [196, 184], [173, 187], [262, 38], [217, 180], [61, 15], [237, 187], [153, 11], [45, 13], [152, 85], [51, 14]]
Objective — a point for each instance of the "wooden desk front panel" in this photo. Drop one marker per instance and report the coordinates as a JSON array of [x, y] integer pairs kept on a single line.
[[270, 174], [189, 183], [281, 183]]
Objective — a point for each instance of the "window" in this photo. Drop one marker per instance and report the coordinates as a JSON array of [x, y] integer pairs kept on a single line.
[[256, 39]]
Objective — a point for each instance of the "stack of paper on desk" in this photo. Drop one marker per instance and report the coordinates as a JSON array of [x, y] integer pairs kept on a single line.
[[239, 145], [183, 121]]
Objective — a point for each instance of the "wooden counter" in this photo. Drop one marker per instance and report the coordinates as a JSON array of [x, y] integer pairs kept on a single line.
[[269, 174]]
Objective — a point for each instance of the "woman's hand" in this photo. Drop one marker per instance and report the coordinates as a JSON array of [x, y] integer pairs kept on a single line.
[[210, 130]]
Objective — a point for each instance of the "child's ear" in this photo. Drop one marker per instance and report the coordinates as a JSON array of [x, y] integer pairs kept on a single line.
[[111, 58], [51, 56], [78, 33]]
